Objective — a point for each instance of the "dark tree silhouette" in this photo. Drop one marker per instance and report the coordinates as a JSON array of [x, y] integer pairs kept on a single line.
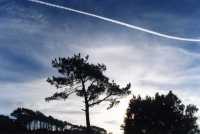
[[36, 120], [85, 80], [26, 121], [24, 116], [162, 114]]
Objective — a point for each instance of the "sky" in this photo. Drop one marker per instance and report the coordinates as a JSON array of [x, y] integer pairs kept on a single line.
[[31, 35]]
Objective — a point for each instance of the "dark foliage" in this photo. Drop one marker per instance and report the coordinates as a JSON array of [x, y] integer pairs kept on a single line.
[[9, 125], [26, 121], [162, 114], [34, 120], [86, 80]]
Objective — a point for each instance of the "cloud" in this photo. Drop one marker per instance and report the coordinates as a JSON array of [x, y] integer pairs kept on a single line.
[[150, 68]]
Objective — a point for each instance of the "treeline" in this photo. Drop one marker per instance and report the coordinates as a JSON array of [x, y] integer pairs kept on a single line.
[[25, 121], [161, 114]]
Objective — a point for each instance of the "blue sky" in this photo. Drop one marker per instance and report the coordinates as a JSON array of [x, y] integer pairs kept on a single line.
[[31, 35]]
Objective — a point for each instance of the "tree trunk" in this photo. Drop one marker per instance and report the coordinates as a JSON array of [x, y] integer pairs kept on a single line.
[[87, 114]]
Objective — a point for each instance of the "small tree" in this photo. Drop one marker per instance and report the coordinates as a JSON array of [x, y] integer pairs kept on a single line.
[[86, 80], [162, 114]]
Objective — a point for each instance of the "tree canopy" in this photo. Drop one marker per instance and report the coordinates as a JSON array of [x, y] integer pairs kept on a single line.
[[87, 80], [161, 114]]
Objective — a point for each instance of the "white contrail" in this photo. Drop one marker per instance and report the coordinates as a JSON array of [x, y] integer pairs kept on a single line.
[[117, 22]]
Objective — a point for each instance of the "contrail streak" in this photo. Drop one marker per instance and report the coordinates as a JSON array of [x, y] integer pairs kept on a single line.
[[116, 22]]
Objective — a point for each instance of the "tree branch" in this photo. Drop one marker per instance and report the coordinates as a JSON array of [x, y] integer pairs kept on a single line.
[[99, 101]]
